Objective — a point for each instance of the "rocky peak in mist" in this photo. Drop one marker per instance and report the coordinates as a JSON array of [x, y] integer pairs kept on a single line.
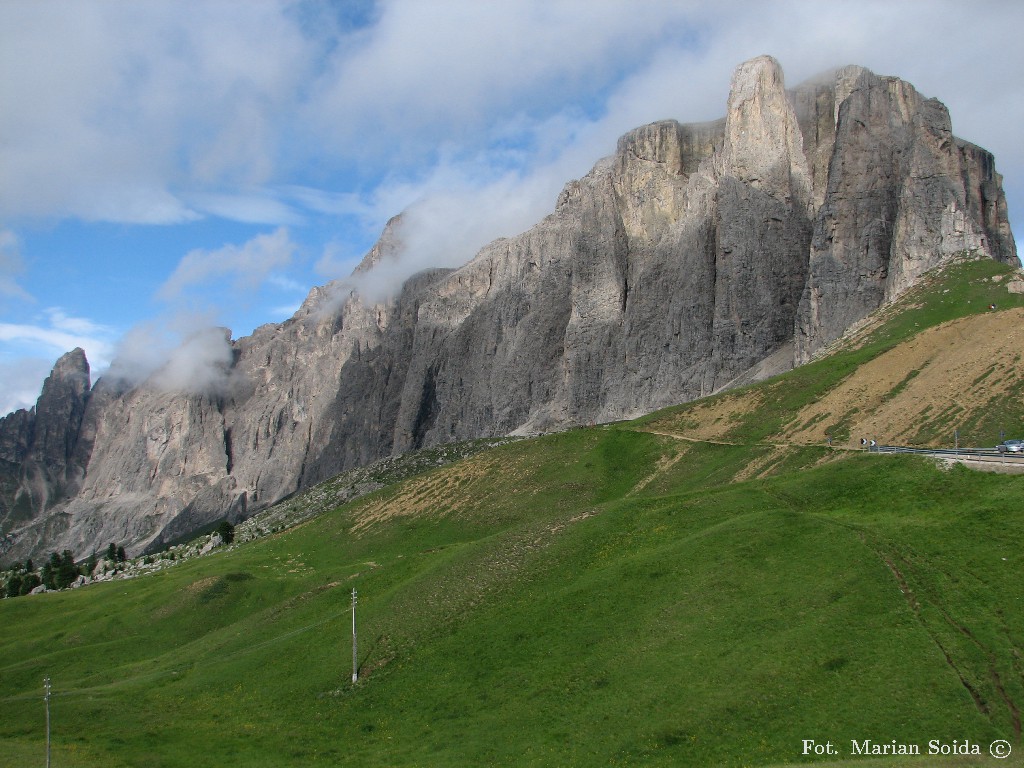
[[695, 257], [42, 461]]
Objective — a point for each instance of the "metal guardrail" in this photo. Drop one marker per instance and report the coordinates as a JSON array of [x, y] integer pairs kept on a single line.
[[982, 454]]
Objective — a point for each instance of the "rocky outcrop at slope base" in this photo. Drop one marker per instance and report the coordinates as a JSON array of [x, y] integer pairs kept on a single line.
[[694, 256]]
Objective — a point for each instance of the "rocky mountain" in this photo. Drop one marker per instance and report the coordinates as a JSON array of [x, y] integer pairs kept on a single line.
[[695, 257], [44, 452]]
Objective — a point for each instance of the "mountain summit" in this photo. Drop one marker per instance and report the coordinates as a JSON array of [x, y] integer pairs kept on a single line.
[[694, 258]]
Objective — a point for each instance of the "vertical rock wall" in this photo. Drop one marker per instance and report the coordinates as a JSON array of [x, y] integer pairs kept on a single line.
[[902, 195]]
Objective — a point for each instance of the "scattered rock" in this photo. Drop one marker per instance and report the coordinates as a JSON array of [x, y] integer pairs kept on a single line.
[[214, 542]]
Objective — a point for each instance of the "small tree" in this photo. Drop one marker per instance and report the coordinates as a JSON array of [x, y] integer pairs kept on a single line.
[[67, 571], [14, 584], [50, 571], [29, 582], [121, 556], [112, 553], [60, 571], [226, 531]]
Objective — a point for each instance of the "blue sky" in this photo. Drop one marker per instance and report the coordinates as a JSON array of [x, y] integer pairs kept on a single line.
[[169, 166]]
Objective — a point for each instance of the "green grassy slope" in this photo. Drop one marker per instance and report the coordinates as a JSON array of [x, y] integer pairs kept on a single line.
[[855, 600], [607, 596]]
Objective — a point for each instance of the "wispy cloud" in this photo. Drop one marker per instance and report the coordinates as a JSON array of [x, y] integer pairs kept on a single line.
[[286, 283], [30, 349], [111, 110], [163, 112], [248, 207], [179, 352], [243, 267], [21, 381], [59, 333], [326, 201], [12, 267], [444, 71], [336, 261]]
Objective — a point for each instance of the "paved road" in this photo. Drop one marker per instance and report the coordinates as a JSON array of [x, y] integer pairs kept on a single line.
[[965, 454]]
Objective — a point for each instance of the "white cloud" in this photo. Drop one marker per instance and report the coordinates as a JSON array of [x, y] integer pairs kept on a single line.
[[286, 283], [162, 112], [200, 364], [336, 262], [324, 201], [28, 351], [258, 207], [21, 381], [11, 267], [60, 333], [51, 337], [245, 266], [108, 108], [456, 215], [181, 352], [78, 326], [437, 71]]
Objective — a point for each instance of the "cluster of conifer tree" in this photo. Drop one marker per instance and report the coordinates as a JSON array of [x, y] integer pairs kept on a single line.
[[59, 572]]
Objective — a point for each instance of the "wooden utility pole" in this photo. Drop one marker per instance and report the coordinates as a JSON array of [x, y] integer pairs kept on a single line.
[[355, 665], [46, 698]]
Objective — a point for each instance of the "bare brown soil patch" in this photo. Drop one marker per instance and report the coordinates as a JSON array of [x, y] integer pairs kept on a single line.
[[201, 586], [448, 491], [663, 465], [961, 364], [762, 465], [708, 421]]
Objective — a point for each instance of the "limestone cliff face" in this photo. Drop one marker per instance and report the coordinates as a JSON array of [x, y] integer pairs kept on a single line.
[[901, 195], [696, 256], [42, 461]]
